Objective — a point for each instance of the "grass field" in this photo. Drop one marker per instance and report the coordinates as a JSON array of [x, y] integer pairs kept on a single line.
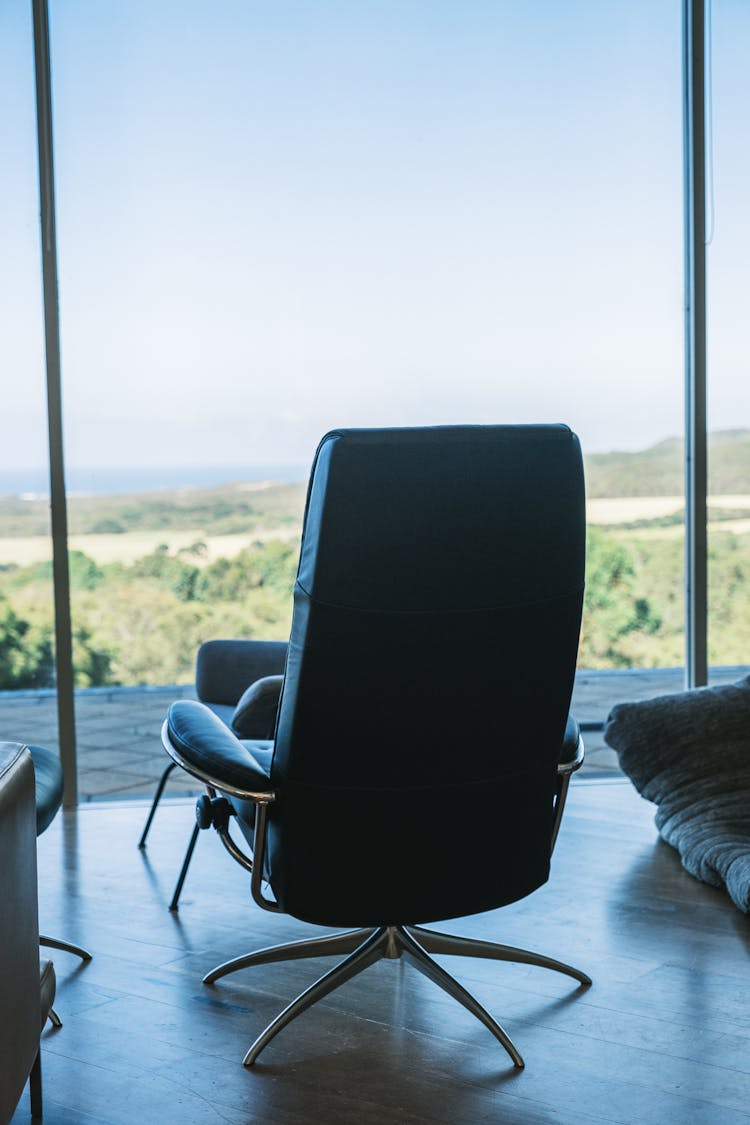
[[615, 510], [662, 517], [648, 512], [631, 509], [131, 545]]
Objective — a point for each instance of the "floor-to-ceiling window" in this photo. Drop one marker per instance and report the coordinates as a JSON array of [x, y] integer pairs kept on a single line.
[[27, 635], [729, 386], [274, 221]]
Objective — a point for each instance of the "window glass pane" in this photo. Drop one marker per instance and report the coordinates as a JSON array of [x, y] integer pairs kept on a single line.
[[729, 387], [27, 667], [275, 220]]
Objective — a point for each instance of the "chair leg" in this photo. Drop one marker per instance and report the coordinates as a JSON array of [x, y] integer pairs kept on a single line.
[[155, 802], [35, 1086], [434, 942], [422, 961], [65, 946], [315, 947], [174, 904], [54, 1019], [369, 951]]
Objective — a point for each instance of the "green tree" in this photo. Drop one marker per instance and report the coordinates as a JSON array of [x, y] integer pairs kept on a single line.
[[172, 573], [613, 610], [271, 565], [26, 652], [92, 665]]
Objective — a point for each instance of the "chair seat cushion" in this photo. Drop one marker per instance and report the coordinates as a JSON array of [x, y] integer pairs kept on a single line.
[[262, 750], [48, 779], [209, 750], [223, 710]]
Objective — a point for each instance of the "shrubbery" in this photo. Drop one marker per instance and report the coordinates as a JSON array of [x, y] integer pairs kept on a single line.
[[142, 623]]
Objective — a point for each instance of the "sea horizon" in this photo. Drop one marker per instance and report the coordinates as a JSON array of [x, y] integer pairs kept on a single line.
[[97, 481]]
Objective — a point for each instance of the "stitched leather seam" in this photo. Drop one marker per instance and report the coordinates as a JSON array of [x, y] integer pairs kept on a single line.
[[442, 612]]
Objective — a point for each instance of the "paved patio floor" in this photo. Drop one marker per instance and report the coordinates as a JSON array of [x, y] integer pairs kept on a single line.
[[118, 729]]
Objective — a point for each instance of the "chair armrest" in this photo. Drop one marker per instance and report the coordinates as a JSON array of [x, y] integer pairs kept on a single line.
[[198, 741], [224, 669], [569, 760], [571, 751]]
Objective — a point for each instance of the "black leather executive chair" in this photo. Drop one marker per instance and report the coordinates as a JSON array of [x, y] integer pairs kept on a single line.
[[422, 748]]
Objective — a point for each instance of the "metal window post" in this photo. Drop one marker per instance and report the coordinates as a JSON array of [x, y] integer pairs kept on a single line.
[[60, 574], [696, 461]]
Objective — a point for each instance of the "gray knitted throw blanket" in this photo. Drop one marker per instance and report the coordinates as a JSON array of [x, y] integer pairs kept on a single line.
[[689, 753]]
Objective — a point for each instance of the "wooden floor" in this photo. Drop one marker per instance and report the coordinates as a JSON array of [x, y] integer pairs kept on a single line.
[[663, 1036]]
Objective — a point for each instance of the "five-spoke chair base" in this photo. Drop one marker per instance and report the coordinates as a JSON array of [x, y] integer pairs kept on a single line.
[[365, 946]]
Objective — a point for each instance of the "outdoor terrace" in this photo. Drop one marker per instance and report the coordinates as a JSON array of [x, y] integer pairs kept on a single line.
[[118, 729]]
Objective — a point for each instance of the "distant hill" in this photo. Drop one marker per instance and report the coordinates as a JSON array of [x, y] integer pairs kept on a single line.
[[226, 510], [658, 471]]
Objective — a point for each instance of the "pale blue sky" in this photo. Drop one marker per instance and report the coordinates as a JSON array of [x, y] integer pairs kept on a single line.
[[278, 218]]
